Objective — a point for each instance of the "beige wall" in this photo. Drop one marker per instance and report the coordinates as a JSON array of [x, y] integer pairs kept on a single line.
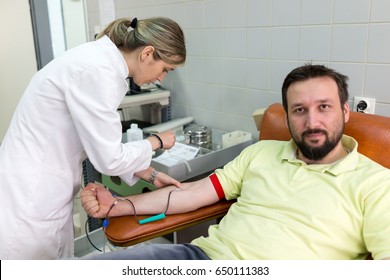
[[17, 57]]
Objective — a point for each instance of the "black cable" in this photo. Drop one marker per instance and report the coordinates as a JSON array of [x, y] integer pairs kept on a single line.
[[132, 204], [87, 235], [169, 200]]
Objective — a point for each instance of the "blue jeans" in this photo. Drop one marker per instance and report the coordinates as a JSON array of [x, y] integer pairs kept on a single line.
[[155, 252]]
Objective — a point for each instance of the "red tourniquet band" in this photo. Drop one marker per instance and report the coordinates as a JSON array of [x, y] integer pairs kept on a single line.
[[217, 186]]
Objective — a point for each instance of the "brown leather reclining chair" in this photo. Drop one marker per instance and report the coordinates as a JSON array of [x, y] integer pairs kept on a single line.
[[371, 131]]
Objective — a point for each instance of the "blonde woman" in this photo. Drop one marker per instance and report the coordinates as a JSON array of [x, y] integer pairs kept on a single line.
[[69, 113]]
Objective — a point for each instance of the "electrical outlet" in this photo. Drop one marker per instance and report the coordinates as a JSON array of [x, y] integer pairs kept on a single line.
[[364, 105]]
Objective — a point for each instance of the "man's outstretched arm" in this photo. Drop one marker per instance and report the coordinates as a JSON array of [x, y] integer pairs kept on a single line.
[[97, 200]]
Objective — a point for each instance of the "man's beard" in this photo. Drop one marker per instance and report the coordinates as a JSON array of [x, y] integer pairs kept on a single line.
[[317, 153]]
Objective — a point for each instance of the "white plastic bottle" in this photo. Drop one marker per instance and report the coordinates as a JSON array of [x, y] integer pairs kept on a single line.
[[134, 133]]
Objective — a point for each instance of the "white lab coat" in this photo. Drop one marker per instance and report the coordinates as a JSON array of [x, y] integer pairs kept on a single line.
[[68, 112]]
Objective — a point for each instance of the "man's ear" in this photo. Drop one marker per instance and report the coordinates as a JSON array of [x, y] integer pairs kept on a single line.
[[147, 53], [346, 111], [286, 121]]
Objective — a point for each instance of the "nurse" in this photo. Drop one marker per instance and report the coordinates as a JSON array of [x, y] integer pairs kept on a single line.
[[69, 113]]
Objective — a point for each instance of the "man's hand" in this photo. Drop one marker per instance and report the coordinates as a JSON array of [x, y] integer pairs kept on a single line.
[[96, 200]]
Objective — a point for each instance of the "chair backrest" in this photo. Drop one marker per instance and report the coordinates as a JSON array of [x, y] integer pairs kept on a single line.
[[372, 132]]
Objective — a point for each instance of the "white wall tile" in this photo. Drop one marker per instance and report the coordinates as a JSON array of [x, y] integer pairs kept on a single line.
[[285, 43], [235, 72], [242, 103], [259, 42], [126, 4], [315, 43], [214, 14], [194, 14], [379, 44], [214, 72], [235, 13], [214, 96], [242, 123], [214, 43], [263, 98], [159, 2], [158, 10], [235, 101], [382, 109], [180, 92], [235, 42], [180, 74], [377, 82], [349, 42], [259, 13], [351, 11], [197, 95], [316, 12], [195, 66], [175, 11], [380, 10], [258, 74], [286, 12], [220, 120], [196, 42]]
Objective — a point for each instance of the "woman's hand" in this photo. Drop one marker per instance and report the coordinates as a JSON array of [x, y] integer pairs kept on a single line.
[[168, 139], [164, 180], [158, 179]]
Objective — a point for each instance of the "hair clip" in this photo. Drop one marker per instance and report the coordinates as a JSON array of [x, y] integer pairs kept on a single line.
[[133, 24]]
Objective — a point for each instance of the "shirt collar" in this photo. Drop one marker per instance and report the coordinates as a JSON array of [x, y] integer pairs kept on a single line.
[[348, 163]]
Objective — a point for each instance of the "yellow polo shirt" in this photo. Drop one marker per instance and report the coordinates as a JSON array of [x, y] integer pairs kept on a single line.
[[287, 209]]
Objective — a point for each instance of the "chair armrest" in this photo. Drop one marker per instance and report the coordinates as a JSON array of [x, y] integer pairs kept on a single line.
[[126, 231]]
